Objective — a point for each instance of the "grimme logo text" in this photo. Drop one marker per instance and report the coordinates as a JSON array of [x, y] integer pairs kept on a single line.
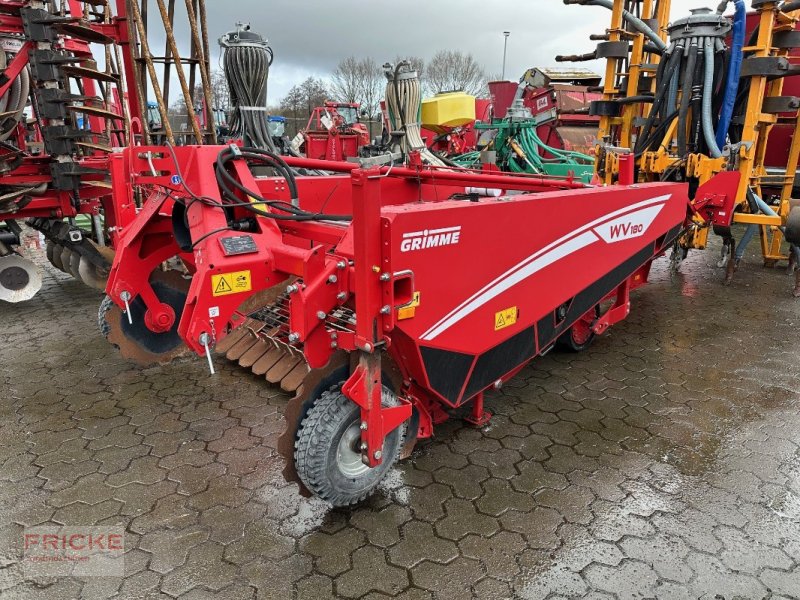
[[419, 240]]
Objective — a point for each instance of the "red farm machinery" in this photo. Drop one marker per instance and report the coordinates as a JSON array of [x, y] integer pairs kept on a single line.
[[391, 292], [334, 132], [384, 297], [558, 100], [62, 116]]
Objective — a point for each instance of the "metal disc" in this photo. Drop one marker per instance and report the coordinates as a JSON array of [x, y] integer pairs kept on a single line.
[[20, 279], [55, 256], [135, 341]]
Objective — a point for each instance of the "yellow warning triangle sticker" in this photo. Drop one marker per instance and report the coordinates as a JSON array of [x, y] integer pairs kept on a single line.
[[500, 321], [222, 286]]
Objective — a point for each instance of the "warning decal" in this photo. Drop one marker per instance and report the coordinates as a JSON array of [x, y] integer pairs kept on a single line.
[[231, 283], [505, 318], [409, 310]]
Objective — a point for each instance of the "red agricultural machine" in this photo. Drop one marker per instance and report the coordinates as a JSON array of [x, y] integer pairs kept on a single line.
[[60, 118], [558, 100], [334, 132], [384, 296]]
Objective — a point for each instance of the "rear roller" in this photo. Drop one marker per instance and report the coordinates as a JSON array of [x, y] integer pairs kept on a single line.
[[20, 279], [328, 449]]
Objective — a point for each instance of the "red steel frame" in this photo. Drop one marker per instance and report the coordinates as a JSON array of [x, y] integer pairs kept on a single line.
[[34, 170], [552, 253]]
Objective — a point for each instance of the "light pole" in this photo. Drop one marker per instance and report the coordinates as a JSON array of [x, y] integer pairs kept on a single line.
[[505, 48]]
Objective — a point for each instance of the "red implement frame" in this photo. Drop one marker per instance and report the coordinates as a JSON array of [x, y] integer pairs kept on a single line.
[[459, 293]]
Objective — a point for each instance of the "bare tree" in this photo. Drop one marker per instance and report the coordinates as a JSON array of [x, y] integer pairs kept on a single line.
[[315, 93], [300, 101], [220, 94], [359, 81], [346, 80], [451, 70], [373, 84]]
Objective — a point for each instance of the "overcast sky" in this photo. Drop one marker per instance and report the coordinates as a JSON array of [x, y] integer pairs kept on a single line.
[[309, 37]]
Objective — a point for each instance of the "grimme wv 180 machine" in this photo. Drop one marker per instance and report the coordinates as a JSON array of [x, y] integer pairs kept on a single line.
[[387, 295], [384, 296]]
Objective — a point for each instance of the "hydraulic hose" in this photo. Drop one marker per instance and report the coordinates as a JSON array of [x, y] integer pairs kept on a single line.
[[708, 95], [246, 62], [14, 100], [751, 229], [673, 57], [404, 105], [233, 191], [674, 77], [686, 96], [632, 20], [734, 71]]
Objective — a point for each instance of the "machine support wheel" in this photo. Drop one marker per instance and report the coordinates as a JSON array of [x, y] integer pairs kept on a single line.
[[327, 449], [580, 336]]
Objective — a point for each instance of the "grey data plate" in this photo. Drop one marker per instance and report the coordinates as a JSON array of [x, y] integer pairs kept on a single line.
[[238, 244]]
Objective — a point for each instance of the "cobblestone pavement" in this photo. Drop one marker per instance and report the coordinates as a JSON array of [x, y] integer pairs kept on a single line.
[[664, 463]]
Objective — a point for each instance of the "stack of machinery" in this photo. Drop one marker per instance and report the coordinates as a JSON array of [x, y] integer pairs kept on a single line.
[[541, 125], [699, 106], [62, 115]]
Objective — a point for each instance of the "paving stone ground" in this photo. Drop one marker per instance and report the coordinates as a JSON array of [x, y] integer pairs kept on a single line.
[[663, 463]]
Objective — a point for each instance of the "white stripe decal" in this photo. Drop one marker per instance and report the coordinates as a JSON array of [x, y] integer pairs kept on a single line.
[[562, 247], [432, 231]]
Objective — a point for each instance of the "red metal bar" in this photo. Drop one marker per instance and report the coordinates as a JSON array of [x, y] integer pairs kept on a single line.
[[471, 178], [367, 244], [19, 62]]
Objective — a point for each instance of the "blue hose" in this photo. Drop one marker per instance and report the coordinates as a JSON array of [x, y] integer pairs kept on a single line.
[[734, 70]]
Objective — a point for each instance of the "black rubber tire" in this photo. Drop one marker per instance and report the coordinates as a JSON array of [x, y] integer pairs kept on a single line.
[[793, 226], [102, 310], [566, 342], [317, 442]]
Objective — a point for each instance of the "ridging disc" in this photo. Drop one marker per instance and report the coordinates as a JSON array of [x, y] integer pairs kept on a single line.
[[135, 341]]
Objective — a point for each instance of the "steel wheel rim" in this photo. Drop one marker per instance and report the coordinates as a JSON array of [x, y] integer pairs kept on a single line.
[[581, 332], [348, 459]]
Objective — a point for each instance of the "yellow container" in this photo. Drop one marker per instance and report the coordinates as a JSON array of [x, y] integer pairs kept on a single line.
[[447, 111]]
